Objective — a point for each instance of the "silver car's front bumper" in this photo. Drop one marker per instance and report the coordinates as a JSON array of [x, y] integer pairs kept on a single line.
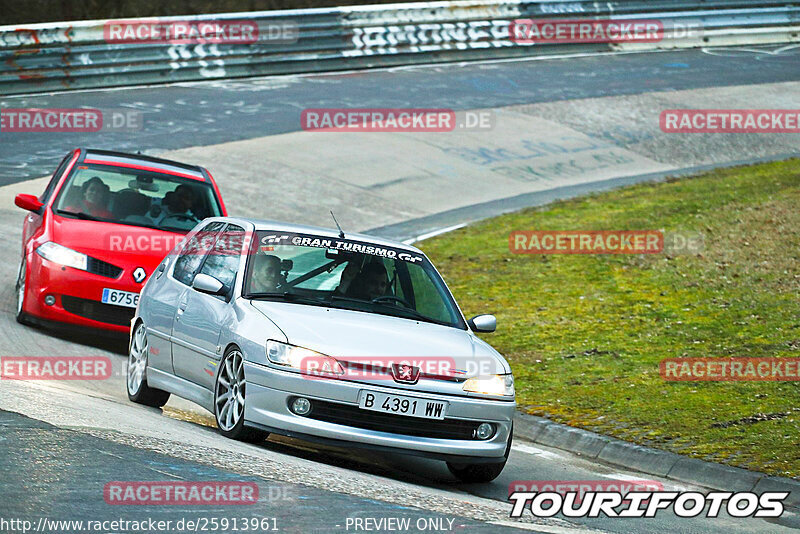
[[269, 391]]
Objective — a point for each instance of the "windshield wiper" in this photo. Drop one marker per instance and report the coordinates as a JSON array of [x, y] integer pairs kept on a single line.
[[402, 309], [294, 297], [349, 299], [286, 295], [80, 215], [414, 313], [170, 229]]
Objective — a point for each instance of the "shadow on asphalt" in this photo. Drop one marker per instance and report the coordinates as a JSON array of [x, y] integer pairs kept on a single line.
[[112, 342], [400, 467]]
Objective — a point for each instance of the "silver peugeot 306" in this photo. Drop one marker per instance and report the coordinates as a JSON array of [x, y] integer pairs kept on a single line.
[[343, 339]]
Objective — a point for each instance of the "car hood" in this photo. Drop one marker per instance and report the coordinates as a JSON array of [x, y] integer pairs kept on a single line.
[[118, 244], [359, 336]]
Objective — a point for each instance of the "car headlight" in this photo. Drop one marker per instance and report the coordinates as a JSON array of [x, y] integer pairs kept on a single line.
[[497, 385], [305, 360], [63, 255]]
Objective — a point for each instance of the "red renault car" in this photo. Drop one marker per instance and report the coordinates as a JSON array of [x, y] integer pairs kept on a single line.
[[99, 229]]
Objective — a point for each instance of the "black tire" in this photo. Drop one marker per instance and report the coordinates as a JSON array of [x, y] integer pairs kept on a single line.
[[476, 473], [481, 473], [231, 407], [136, 384], [19, 292]]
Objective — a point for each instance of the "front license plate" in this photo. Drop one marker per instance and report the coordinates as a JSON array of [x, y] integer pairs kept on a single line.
[[120, 298], [402, 405]]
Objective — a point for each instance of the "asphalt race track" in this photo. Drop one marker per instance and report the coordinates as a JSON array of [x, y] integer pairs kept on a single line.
[[62, 441], [201, 113]]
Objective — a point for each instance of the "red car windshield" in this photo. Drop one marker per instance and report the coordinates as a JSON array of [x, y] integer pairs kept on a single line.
[[136, 198]]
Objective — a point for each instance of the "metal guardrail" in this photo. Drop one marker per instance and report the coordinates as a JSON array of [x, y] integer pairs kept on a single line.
[[77, 55]]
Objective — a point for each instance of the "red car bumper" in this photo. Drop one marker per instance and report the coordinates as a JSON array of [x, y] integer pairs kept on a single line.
[[77, 296]]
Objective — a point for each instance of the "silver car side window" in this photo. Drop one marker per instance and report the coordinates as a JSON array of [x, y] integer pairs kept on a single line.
[[191, 257], [223, 262]]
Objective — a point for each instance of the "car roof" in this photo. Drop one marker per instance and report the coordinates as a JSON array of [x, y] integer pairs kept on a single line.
[[278, 226], [140, 161]]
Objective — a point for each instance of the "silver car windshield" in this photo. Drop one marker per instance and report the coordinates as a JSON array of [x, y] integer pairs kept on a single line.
[[348, 274]]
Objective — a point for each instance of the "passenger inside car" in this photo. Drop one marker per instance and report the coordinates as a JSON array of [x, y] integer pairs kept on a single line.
[[132, 206]]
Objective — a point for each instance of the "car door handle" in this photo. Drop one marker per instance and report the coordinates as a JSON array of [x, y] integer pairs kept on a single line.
[[181, 308], [184, 300]]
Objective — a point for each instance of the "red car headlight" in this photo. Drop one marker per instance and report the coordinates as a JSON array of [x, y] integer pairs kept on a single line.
[[63, 256]]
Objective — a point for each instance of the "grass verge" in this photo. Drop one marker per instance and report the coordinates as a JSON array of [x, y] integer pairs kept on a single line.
[[585, 333]]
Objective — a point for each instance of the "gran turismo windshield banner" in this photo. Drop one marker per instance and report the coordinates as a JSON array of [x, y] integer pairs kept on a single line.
[[267, 239]]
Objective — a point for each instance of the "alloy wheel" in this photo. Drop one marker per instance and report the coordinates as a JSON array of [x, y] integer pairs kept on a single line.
[[137, 360], [230, 391]]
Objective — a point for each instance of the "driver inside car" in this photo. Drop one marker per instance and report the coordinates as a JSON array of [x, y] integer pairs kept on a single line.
[[349, 274], [179, 203], [371, 283], [266, 274]]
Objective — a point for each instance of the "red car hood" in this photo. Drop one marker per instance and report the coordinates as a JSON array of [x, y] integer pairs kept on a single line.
[[118, 244]]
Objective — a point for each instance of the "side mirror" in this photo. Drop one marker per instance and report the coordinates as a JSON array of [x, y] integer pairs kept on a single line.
[[483, 323], [207, 284], [28, 202]]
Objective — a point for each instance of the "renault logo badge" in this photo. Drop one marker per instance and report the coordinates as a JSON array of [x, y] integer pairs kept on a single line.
[[139, 275]]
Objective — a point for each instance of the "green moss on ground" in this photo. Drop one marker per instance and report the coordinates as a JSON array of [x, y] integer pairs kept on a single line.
[[585, 333]]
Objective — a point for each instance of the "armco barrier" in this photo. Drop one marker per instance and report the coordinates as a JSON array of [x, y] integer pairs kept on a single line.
[[77, 55]]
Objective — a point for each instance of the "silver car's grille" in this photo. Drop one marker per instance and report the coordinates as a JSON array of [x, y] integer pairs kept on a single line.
[[383, 371], [353, 416]]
